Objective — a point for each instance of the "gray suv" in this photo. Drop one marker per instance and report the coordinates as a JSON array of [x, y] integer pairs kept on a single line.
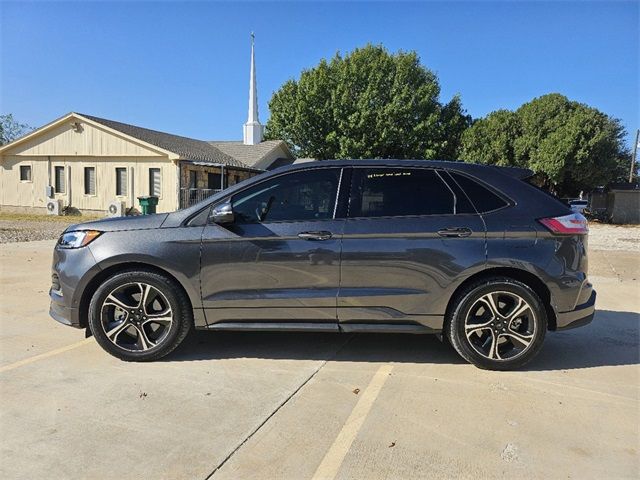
[[471, 252]]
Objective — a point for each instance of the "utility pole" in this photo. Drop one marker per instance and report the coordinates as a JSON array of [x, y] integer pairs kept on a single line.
[[634, 156]]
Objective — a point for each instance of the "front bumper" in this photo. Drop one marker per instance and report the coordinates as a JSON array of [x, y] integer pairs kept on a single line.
[[72, 270], [580, 316], [61, 312]]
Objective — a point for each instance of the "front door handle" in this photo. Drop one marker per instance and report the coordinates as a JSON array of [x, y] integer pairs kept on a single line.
[[455, 232], [322, 235]]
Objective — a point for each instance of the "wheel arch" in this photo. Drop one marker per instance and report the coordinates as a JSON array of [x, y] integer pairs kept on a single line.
[[524, 276], [100, 277]]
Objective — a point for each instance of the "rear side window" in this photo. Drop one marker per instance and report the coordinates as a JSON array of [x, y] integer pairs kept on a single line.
[[482, 198], [395, 192]]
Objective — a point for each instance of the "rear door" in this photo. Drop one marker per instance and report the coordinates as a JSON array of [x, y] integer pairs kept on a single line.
[[408, 241]]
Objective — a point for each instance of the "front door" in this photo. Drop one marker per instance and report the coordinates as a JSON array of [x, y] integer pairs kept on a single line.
[[408, 241], [279, 260]]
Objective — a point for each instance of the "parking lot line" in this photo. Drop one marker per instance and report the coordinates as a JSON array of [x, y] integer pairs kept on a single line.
[[332, 461], [42, 356]]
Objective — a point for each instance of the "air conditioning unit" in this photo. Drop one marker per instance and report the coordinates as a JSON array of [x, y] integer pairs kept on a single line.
[[54, 207], [116, 209]]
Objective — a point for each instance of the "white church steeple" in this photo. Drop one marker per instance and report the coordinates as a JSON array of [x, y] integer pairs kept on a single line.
[[253, 129]]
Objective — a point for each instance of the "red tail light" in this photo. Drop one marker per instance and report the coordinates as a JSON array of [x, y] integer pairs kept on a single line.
[[572, 224]]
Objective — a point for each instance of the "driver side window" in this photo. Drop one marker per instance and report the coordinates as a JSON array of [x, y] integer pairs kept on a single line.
[[299, 196]]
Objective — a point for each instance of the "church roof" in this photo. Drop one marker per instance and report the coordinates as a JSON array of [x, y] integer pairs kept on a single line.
[[251, 155], [187, 148]]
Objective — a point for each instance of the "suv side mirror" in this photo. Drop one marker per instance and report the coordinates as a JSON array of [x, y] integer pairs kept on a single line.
[[222, 214]]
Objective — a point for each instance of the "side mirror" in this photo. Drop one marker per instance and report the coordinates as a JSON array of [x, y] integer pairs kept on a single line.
[[222, 214]]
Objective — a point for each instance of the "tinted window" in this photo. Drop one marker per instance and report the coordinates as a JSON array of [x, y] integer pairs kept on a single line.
[[307, 195], [463, 204], [391, 192], [483, 199]]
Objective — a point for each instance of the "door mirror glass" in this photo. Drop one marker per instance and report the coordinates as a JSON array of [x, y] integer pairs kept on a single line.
[[222, 214]]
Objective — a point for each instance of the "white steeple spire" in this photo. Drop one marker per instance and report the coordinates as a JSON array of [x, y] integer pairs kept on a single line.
[[253, 129]]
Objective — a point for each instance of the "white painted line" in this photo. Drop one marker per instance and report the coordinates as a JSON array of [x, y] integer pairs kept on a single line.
[[332, 461], [42, 356]]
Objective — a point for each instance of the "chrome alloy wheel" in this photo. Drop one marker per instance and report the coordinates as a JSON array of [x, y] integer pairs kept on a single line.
[[500, 325], [136, 317]]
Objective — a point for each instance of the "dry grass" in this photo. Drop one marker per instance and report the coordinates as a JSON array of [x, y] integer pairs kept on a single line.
[[34, 217]]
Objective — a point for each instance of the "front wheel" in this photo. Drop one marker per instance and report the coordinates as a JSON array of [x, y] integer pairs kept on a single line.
[[139, 315], [497, 324]]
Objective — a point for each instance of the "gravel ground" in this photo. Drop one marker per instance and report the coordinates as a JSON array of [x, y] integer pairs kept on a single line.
[[601, 236]]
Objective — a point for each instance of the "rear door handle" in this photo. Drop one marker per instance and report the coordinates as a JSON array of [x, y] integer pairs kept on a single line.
[[455, 232], [321, 235]]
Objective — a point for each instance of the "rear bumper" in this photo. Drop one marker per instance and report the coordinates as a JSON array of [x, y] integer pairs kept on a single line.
[[580, 316]]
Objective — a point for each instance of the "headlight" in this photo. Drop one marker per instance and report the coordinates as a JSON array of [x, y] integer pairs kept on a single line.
[[78, 239]]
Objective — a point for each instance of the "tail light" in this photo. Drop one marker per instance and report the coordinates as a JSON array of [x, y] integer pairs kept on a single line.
[[573, 224]]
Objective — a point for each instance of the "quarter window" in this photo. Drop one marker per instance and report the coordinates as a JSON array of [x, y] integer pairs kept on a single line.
[[25, 173], [482, 198], [89, 180], [300, 196], [121, 181], [392, 192], [58, 178], [154, 182]]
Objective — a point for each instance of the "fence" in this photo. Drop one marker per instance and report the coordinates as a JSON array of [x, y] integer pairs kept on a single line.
[[191, 196]]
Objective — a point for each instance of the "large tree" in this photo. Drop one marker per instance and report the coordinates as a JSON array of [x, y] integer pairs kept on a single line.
[[10, 129], [570, 146], [367, 104]]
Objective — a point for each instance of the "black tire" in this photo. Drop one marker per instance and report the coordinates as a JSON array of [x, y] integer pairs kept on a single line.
[[473, 339], [170, 297]]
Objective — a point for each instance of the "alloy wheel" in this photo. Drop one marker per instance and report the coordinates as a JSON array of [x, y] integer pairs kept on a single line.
[[136, 316], [500, 326]]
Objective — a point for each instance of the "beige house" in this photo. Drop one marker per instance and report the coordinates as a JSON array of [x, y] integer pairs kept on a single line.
[[89, 164]]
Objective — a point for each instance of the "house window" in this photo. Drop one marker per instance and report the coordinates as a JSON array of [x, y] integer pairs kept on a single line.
[[214, 180], [59, 185], [154, 182], [89, 180], [236, 179], [121, 181], [25, 173], [193, 179]]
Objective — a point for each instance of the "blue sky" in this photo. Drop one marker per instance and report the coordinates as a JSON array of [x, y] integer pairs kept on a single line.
[[183, 67]]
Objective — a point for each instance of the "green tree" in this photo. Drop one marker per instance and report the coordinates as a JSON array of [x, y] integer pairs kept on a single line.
[[367, 104], [570, 146], [10, 129]]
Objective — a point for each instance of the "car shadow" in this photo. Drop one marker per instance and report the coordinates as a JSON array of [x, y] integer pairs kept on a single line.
[[611, 339]]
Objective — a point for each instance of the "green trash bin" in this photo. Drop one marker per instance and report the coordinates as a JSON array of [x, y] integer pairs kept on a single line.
[[148, 204]]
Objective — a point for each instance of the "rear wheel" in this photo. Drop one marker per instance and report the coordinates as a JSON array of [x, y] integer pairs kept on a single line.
[[497, 324], [139, 316]]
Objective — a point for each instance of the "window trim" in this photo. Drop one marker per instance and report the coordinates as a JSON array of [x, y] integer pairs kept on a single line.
[[126, 177], [95, 181], [30, 165], [229, 197], [373, 167]]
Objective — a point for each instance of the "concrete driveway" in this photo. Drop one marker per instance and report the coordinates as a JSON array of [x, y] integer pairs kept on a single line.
[[302, 406]]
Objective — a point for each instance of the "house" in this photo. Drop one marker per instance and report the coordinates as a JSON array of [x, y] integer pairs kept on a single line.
[[87, 163]]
